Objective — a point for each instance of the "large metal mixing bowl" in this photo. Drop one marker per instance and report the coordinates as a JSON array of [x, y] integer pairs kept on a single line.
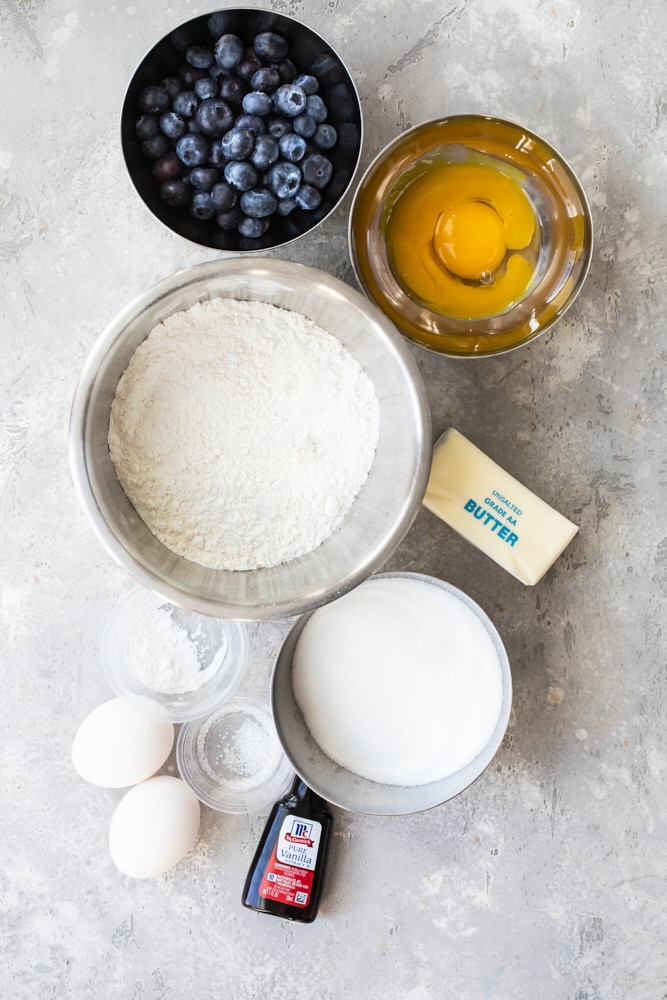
[[379, 517]]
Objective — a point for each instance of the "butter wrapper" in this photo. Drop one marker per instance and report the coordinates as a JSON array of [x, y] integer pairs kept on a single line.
[[494, 511]]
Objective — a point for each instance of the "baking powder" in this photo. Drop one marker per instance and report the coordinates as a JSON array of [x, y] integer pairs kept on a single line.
[[168, 658]]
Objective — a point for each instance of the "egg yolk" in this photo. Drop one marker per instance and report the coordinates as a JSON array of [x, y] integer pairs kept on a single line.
[[470, 240], [453, 238]]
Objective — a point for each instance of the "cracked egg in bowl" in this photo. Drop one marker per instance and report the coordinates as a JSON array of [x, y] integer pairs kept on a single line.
[[472, 234]]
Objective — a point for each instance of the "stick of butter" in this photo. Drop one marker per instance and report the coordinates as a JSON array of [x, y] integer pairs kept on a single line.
[[495, 512]]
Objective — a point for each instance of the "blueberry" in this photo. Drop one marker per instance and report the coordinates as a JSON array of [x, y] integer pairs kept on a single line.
[[201, 206], [186, 103], [241, 176], [228, 51], [308, 83], [258, 203], [154, 100], [175, 193], [287, 70], [233, 90], [237, 144], [172, 124], [190, 74], [305, 125], [308, 197], [265, 152], [146, 127], [278, 127], [217, 23], [252, 122], [317, 170], [325, 137], [257, 103], [270, 45], [216, 156], [214, 117], [249, 64], [223, 196], [192, 150], [167, 167], [155, 147], [316, 108], [172, 85], [230, 218], [290, 100], [266, 79], [199, 56], [204, 178], [285, 206], [252, 228], [206, 88], [292, 147], [284, 179]]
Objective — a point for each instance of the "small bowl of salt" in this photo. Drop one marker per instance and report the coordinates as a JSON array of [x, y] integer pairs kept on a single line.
[[175, 664], [232, 759]]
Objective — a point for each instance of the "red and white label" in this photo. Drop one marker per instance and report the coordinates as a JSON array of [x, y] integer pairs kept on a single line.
[[289, 874]]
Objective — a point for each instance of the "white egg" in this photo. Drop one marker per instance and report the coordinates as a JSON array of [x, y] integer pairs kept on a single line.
[[116, 746], [154, 826]]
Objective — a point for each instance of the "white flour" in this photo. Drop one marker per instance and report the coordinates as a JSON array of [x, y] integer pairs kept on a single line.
[[242, 433]]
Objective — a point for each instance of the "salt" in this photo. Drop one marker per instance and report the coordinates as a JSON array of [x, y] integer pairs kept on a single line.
[[398, 681], [238, 748]]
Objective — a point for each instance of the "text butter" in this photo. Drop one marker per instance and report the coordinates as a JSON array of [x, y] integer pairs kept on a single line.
[[494, 511]]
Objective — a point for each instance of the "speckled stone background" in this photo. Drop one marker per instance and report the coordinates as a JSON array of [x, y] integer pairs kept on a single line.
[[546, 878]]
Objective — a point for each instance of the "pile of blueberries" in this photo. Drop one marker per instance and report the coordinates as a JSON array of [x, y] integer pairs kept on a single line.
[[238, 135]]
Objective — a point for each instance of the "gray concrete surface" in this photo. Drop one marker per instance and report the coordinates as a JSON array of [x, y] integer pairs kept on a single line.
[[546, 878]]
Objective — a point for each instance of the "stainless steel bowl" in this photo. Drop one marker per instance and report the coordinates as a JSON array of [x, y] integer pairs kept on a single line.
[[381, 514], [348, 790], [311, 54], [562, 245]]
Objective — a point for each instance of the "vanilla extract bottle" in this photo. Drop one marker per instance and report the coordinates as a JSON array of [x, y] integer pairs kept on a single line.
[[287, 872]]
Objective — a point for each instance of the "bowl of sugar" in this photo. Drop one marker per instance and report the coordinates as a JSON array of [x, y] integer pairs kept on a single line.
[[250, 439], [394, 698]]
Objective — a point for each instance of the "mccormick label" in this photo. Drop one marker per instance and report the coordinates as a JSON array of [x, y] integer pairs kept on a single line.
[[289, 874]]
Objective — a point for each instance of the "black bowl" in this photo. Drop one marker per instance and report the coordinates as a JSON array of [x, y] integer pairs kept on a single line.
[[310, 54]]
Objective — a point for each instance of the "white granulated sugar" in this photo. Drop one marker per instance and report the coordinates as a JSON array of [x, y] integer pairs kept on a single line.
[[398, 681], [168, 658], [242, 433]]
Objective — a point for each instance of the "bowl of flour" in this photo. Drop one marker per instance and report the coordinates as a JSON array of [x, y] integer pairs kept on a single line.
[[250, 439]]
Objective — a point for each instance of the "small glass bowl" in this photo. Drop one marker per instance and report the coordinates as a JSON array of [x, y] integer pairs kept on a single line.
[[564, 233], [232, 760], [214, 641]]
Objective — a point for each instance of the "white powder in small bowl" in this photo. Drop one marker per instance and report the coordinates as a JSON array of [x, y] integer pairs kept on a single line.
[[169, 658], [238, 748]]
